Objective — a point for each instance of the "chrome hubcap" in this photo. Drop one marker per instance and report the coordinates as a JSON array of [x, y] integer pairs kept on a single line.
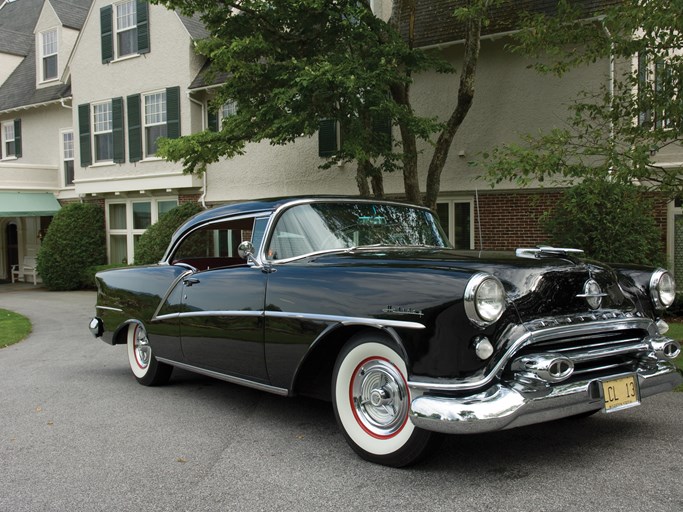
[[380, 397], [143, 352]]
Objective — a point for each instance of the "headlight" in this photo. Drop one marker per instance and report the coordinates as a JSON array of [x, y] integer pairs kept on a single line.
[[484, 299], [662, 289]]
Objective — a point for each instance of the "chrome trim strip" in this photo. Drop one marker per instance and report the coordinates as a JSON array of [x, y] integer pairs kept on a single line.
[[343, 320], [118, 310], [168, 293], [228, 378], [486, 376], [347, 320], [582, 356]]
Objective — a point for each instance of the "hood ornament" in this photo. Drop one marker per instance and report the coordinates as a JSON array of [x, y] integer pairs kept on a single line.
[[592, 293]]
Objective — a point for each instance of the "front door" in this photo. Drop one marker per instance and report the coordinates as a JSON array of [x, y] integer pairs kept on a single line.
[[12, 243], [222, 324]]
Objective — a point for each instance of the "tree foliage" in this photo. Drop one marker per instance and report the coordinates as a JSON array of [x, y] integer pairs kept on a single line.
[[74, 241], [290, 63], [153, 243], [609, 221], [619, 131]]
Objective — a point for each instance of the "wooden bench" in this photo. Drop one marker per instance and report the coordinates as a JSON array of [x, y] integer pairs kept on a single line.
[[27, 268]]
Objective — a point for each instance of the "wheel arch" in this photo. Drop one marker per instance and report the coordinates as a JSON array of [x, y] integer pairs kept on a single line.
[[313, 377], [120, 336]]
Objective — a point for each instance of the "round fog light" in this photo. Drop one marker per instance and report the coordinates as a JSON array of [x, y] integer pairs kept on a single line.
[[483, 348]]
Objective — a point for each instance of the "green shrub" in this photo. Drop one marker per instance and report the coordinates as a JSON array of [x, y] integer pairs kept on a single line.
[[611, 222], [88, 275], [153, 243], [74, 241]]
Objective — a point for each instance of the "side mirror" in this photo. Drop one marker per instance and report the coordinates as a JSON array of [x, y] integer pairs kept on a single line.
[[246, 251]]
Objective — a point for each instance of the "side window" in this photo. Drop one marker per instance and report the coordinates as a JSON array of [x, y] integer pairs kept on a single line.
[[215, 245]]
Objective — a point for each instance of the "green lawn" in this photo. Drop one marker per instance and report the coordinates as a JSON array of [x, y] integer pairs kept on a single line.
[[13, 327]]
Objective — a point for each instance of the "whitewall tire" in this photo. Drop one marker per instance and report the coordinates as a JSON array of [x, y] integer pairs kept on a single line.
[[371, 403], [147, 370]]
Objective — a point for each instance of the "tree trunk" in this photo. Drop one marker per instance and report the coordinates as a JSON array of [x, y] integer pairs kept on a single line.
[[362, 178], [401, 95], [465, 97]]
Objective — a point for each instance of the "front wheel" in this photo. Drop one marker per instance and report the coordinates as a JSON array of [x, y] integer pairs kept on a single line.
[[147, 370], [371, 402]]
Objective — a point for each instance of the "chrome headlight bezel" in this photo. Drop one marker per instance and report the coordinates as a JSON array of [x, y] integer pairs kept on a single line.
[[485, 299], [662, 289]]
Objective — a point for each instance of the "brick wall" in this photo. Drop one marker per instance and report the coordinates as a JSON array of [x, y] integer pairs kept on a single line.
[[189, 198], [510, 220]]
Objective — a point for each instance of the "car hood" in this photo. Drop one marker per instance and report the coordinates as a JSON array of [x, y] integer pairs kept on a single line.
[[538, 288]]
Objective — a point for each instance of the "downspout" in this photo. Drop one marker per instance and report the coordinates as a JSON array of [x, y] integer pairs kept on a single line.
[[612, 75], [202, 199]]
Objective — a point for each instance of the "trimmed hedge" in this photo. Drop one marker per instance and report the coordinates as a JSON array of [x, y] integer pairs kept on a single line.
[[74, 241], [153, 243]]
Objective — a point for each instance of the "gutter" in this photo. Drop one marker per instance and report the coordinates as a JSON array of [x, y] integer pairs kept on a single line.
[[202, 199], [60, 101]]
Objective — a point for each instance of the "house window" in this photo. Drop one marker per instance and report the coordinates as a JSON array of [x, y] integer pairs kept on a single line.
[[216, 117], [155, 120], [228, 109], [49, 48], [103, 135], [9, 148], [68, 157], [126, 29], [128, 220], [456, 219]]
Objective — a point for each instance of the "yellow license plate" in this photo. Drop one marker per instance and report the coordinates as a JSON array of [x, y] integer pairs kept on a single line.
[[621, 393]]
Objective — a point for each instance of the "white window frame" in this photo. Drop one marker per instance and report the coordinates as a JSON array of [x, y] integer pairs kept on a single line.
[[98, 132], [451, 217], [5, 129], [68, 153], [130, 232], [227, 110], [119, 29], [51, 51], [152, 118]]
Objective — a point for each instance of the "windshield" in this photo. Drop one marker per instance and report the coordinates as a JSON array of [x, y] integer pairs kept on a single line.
[[310, 228]]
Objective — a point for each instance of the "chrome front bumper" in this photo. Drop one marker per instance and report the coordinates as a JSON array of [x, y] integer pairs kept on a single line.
[[504, 405]]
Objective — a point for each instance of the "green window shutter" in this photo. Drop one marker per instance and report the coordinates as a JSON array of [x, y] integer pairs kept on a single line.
[[17, 138], [134, 128], [327, 138], [213, 121], [382, 131], [117, 130], [84, 134], [143, 26], [107, 33], [173, 112]]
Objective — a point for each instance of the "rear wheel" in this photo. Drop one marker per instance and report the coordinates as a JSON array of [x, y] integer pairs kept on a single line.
[[147, 370], [371, 403]]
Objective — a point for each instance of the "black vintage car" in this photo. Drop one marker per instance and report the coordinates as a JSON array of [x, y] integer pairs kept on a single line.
[[364, 303]]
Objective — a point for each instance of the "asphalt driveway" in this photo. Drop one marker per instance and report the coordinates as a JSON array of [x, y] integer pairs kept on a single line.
[[77, 433]]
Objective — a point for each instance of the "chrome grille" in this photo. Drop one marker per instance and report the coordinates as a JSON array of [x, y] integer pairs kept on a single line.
[[595, 354]]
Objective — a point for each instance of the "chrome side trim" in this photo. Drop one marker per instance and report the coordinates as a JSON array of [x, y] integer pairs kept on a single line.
[[168, 293], [347, 320], [228, 378], [193, 314], [118, 310], [486, 376], [343, 320]]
